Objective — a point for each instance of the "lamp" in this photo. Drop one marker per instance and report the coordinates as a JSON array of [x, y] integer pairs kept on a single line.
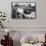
[[7, 31]]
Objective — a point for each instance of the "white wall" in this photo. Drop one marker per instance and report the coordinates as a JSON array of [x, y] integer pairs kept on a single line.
[[40, 21], [38, 24]]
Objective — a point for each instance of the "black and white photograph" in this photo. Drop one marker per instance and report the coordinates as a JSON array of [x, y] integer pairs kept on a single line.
[[23, 10]]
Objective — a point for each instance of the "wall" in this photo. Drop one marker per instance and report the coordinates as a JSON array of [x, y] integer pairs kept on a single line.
[[38, 24], [27, 25], [40, 21]]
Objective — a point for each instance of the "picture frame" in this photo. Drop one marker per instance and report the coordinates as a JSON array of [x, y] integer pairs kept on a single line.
[[23, 10]]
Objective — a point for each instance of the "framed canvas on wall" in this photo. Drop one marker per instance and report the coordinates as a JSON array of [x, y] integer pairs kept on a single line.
[[23, 10]]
